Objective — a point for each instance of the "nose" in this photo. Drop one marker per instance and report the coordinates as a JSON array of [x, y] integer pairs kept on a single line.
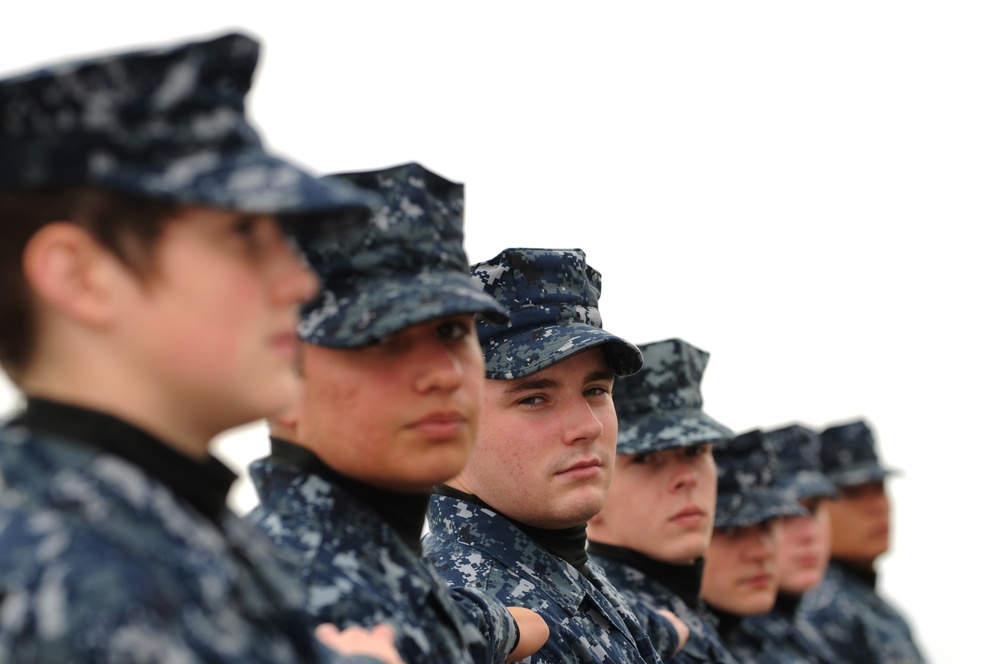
[[799, 528], [440, 368], [760, 545], [582, 424], [684, 478], [293, 280]]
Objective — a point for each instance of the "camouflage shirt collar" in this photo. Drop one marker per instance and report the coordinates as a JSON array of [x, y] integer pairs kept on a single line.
[[203, 484], [403, 512]]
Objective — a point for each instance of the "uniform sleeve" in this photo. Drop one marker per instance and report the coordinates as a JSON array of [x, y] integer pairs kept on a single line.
[[493, 621]]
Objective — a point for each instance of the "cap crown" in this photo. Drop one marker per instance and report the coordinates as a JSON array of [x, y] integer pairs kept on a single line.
[[747, 462], [551, 296], [661, 405], [166, 123], [405, 266], [848, 454], [796, 448]]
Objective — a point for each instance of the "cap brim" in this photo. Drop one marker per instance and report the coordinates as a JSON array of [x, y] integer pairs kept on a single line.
[[808, 484], [860, 474], [535, 349], [666, 430], [751, 507], [249, 181], [383, 306]]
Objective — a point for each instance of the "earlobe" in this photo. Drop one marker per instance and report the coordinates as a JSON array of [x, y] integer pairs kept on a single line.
[[70, 272]]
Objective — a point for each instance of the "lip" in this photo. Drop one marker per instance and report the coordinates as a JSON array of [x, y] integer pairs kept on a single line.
[[440, 424], [806, 560], [760, 580], [688, 516], [285, 343], [582, 469]]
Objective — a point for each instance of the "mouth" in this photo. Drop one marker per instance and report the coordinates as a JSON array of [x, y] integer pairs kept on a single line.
[[440, 425], [689, 516], [285, 343], [759, 581], [807, 560], [583, 469]]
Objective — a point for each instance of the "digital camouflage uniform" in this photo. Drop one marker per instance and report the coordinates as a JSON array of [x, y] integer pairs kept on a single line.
[[552, 298], [783, 634], [100, 561], [660, 408], [404, 268], [854, 619]]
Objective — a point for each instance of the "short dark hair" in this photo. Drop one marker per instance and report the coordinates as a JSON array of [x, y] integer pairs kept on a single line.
[[127, 225]]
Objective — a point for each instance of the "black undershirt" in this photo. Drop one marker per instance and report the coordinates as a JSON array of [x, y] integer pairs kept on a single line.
[[403, 512], [867, 576], [204, 484], [787, 604], [682, 580], [728, 622], [569, 544]]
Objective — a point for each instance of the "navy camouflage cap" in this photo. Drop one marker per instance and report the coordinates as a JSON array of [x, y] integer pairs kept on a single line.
[[848, 455], [406, 266], [167, 124], [747, 493], [660, 407], [797, 449], [551, 295]]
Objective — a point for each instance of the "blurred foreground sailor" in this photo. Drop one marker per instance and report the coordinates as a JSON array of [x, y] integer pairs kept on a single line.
[[148, 300]]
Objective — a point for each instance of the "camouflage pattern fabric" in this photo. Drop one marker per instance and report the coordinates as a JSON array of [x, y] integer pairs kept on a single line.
[[164, 123], [405, 267], [848, 455], [859, 625], [646, 595], [551, 296], [747, 493], [589, 621], [799, 470], [100, 563], [778, 637], [357, 571], [660, 407]]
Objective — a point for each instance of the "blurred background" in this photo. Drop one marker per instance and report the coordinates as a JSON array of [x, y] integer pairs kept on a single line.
[[805, 191]]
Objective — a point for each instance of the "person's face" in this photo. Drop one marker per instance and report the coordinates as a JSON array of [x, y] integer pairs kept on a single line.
[[739, 575], [661, 504], [213, 326], [546, 447], [859, 523], [401, 414], [804, 547]]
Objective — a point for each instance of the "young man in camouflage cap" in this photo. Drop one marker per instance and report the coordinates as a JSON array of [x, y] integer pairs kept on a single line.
[[803, 551], [652, 533], [858, 623], [740, 577], [392, 378], [148, 303], [513, 522]]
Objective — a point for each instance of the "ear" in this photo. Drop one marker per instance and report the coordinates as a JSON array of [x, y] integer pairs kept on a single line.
[[70, 271]]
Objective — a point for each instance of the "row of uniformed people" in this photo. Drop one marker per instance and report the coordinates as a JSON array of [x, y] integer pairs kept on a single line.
[[151, 306]]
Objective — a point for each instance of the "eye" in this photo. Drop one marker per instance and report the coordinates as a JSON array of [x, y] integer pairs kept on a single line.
[[696, 450], [641, 459], [530, 401], [454, 330]]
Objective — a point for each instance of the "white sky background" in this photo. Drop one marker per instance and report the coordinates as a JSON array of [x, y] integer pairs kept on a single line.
[[806, 191]]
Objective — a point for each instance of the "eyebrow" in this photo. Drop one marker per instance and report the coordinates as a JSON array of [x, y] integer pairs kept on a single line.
[[530, 383]]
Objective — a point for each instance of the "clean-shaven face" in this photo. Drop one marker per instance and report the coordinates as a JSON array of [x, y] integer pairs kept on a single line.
[[546, 446], [661, 504], [401, 413]]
